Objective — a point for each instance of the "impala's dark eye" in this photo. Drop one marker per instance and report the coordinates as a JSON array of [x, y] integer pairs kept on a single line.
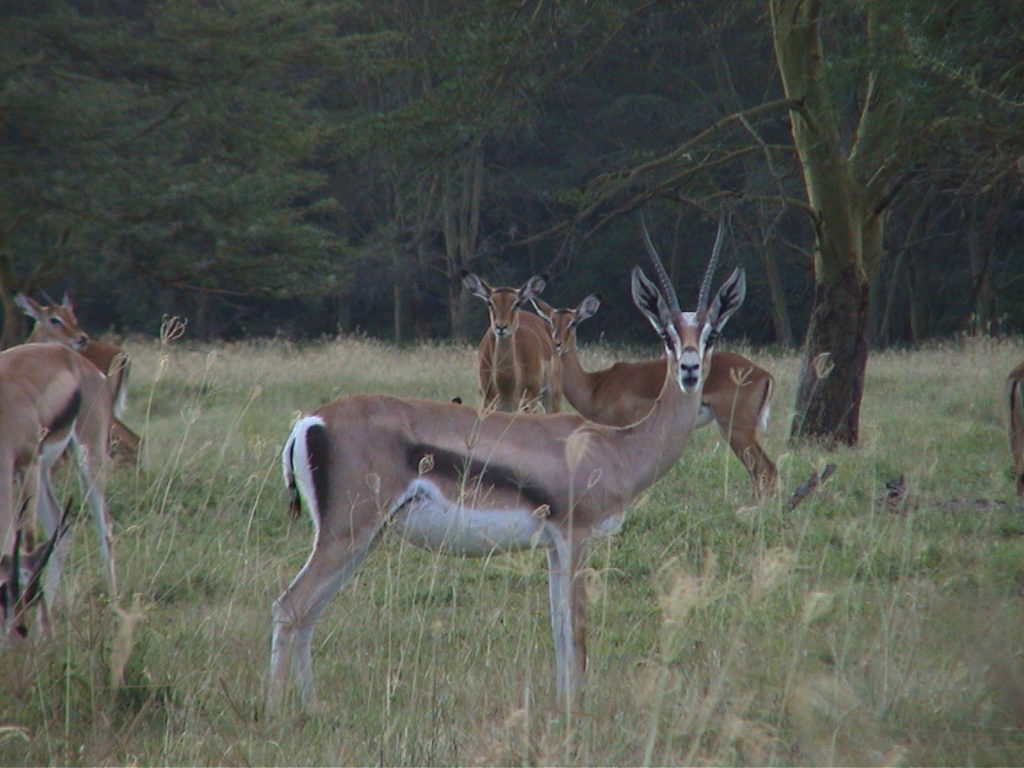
[[56, 321]]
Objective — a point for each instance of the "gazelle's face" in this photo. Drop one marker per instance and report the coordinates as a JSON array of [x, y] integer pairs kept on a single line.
[[504, 305], [687, 342], [563, 329], [689, 336], [57, 324]]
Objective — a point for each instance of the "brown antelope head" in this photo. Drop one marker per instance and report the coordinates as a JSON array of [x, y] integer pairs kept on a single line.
[[688, 336], [504, 304], [54, 323], [563, 322]]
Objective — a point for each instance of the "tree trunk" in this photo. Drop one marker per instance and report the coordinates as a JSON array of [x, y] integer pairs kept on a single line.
[[847, 191], [831, 382]]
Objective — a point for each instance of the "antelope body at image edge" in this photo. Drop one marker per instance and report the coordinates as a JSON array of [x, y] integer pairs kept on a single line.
[[737, 392], [517, 366], [52, 400], [457, 481], [1014, 394]]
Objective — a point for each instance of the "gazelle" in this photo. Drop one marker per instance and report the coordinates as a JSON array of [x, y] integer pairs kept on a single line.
[[1015, 408], [737, 392], [57, 323], [517, 364], [52, 399], [464, 482]]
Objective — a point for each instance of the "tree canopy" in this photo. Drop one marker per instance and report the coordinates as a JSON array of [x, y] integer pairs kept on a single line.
[[329, 165]]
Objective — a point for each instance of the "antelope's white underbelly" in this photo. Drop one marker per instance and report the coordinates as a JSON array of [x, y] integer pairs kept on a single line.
[[424, 516]]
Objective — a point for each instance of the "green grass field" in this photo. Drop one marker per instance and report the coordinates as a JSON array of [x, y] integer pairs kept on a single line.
[[846, 631]]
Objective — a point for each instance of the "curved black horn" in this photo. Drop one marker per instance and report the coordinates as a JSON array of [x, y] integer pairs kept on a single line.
[[663, 280], [709, 273]]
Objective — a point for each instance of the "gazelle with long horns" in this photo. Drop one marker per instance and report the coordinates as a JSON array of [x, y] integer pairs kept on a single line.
[[737, 392], [459, 481], [52, 399], [57, 323], [517, 365]]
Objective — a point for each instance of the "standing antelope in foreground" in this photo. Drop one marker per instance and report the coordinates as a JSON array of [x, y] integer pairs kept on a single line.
[[52, 399], [517, 361], [737, 392], [57, 323], [458, 481], [1015, 406]]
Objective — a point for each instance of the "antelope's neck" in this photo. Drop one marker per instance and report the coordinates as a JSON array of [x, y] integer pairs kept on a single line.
[[654, 444], [577, 384]]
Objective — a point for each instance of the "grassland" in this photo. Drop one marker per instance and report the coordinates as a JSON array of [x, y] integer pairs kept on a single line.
[[846, 631]]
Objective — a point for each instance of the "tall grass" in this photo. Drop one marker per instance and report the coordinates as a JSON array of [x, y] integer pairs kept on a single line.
[[850, 630]]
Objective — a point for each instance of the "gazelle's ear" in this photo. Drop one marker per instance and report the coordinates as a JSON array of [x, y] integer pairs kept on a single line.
[[728, 299], [29, 306], [531, 288], [67, 303], [475, 285], [588, 307], [545, 310], [650, 301]]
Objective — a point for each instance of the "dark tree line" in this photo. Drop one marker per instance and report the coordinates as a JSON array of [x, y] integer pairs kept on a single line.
[[325, 165]]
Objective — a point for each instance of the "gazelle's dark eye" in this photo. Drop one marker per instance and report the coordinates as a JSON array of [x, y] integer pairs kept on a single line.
[[56, 321]]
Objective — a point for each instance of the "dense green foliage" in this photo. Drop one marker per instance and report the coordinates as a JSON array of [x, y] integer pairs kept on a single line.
[[327, 165]]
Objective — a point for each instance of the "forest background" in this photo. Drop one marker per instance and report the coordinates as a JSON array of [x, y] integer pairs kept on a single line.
[[329, 166]]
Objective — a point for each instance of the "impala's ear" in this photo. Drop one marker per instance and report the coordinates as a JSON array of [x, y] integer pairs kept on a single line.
[[728, 299], [29, 306], [650, 301], [475, 285], [543, 309], [531, 288], [66, 302], [588, 307]]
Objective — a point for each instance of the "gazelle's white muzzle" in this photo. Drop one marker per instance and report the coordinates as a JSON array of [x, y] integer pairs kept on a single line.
[[690, 370]]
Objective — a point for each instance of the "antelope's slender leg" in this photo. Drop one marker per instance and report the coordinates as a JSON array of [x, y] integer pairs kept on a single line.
[[567, 593], [332, 563]]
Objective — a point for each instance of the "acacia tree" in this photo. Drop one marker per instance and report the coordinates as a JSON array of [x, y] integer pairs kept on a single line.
[[935, 91], [849, 184]]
